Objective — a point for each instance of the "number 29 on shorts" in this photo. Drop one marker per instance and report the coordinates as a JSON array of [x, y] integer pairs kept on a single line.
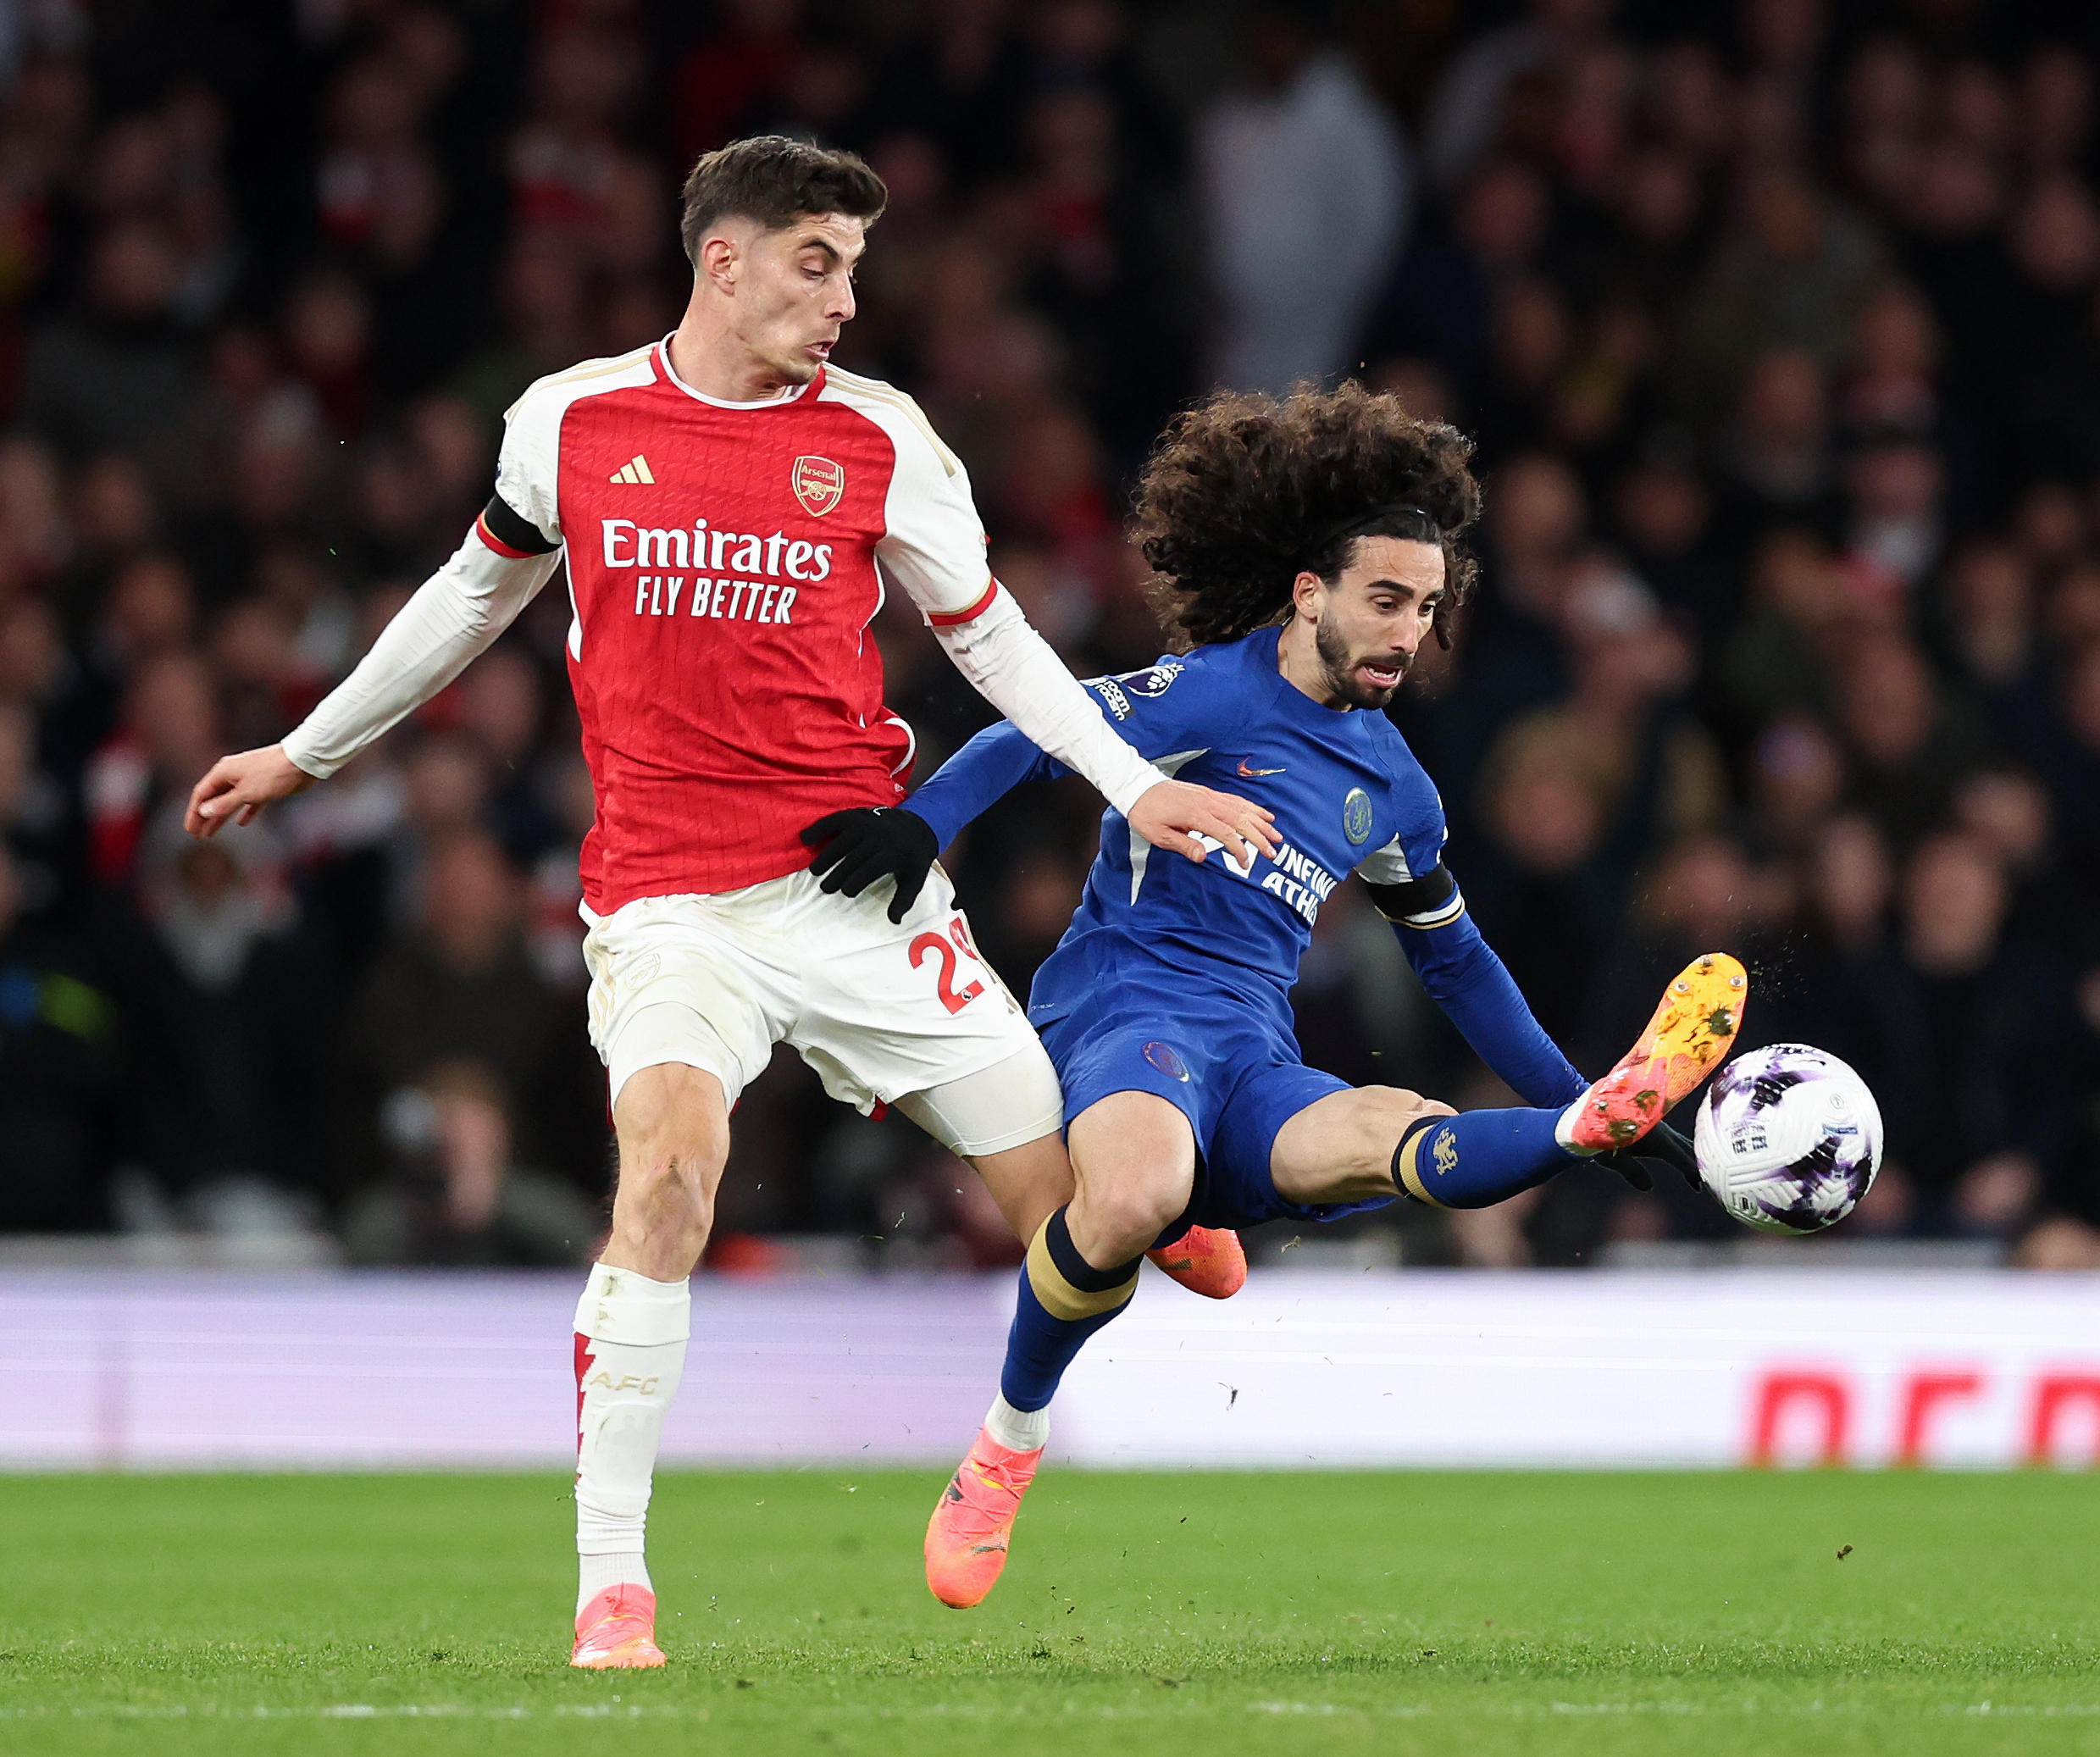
[[944, 947]]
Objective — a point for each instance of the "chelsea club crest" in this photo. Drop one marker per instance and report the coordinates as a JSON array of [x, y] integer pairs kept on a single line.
[[1356, 817]]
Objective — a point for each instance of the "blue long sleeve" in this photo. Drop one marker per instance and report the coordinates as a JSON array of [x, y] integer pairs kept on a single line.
[[1463, 975], [994, 762]]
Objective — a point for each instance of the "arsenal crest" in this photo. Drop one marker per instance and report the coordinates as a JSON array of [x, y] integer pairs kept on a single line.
[[818, 484]]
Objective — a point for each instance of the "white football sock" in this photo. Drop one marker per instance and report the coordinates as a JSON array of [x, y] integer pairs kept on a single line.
[[1564, 1134], [1017, 1430], [630, 1353]]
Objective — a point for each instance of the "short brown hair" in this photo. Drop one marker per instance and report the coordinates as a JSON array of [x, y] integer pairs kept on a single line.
[[1245, 492], [773, 180]]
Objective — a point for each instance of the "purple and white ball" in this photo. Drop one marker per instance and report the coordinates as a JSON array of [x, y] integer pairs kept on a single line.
[[1789, 1139]]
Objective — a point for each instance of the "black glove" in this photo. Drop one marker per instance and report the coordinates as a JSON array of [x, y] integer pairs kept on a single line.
[[870, 842], [1663, 1145]]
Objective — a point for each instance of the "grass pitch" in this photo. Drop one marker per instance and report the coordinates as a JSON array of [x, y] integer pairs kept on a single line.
[[1394, 1614]]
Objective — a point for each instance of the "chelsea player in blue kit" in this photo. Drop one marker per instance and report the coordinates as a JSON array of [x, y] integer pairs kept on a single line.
[[1305, 548]]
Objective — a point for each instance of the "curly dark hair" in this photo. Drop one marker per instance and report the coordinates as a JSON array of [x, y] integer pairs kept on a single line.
[[1243, 492]]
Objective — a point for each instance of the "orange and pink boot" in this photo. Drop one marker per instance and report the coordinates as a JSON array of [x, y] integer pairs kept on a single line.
[[617, 1630], [973, 1523], [1689, 1036], [1206, 1260]]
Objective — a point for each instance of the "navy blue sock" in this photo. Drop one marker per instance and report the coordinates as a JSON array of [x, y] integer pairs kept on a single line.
[[1064, 1299], [1478, 1159]]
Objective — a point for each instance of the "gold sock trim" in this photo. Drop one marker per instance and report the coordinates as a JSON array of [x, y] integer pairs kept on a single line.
[[1403, 1163], [1058, 1296]]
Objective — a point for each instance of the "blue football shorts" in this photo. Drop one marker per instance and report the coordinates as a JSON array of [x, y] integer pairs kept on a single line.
[[1237, 1075]]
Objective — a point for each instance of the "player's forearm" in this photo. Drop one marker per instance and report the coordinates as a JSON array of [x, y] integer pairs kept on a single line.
[[1475, 988], [1019, 674], [453, 618], [994, 762]]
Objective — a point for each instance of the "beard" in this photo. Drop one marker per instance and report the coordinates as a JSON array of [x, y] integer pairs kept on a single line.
[[1339, 663]]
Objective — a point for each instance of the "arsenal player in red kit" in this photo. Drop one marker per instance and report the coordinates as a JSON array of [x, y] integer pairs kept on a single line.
[[732, 510]]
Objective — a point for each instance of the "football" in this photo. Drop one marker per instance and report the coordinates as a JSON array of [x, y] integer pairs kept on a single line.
[[1789, 1139]]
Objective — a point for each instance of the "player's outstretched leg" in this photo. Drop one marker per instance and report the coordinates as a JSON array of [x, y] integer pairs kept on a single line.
[[1210, 1261], [1063, 1300], [1692, 1028], [1133, 1160], [1483, 1157]]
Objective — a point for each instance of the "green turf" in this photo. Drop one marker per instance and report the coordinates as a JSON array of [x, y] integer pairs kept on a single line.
[[1452, 1613]]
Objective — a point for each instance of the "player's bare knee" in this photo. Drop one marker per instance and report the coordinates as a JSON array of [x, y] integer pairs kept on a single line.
[[666, 1182], [671, 1122], [1382, 1105], [670, 1097], [663, 1215], [675, 1139], [1412, 1107], [1127, 1213]]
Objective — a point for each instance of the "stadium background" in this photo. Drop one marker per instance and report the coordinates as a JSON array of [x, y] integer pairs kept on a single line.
[[1778, 327]]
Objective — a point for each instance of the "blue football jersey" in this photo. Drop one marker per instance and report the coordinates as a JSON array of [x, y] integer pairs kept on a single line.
[[1347, 793]]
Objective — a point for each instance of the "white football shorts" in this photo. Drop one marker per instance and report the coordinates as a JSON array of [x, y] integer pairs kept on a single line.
[[903, 1014]]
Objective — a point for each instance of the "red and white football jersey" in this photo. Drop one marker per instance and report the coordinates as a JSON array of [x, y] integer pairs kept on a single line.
[[725, 562]]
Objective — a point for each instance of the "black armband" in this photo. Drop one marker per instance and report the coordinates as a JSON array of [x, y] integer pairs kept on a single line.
[[1424, 902], [511, 533]]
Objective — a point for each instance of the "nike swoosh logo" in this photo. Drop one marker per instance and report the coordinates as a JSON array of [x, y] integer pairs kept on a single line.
[[1252, 775]]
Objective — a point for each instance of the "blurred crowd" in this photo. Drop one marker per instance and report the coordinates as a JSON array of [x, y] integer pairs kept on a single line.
[[1778, 327]]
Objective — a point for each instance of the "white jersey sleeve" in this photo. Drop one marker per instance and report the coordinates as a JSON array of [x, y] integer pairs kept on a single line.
[[457, 613], [453, 618], [1019, 673]]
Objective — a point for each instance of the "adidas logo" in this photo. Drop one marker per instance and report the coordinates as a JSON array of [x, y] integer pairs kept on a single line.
[[635, 470]]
